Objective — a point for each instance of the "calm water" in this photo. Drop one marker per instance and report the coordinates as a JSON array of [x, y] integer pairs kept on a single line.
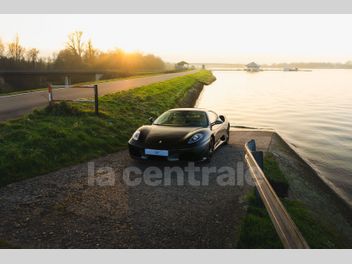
[[311, 110]]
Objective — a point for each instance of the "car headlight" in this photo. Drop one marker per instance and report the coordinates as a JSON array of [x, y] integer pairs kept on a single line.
[[195, 138], [135, 135]]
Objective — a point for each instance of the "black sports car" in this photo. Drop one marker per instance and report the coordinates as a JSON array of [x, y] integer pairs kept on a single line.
[[180, 134]]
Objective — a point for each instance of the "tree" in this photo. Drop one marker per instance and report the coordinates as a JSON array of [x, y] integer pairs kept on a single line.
[[15, 50], [90, 52], [77, 55], [67, 59], [2, 48], [32, 55], [75, 43]]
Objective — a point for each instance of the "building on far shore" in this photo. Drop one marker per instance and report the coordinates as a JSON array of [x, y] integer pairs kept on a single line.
[[252, 67], [181, 66]]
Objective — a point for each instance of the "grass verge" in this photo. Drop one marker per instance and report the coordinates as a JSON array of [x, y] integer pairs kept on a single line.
[[257, 230], [275, 176], [132, 76], [70, 133]]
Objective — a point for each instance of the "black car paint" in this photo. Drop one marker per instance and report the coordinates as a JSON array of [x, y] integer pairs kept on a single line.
[[170, 137], [175, 139]]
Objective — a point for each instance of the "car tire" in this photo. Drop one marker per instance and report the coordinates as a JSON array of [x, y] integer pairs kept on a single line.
[[210, 150], [228, 136]]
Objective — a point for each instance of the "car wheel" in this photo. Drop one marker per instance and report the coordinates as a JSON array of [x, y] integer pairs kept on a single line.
[[227, 136], [210, 150]]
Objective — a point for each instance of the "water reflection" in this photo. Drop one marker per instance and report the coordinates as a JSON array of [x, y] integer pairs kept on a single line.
[[312, 110]]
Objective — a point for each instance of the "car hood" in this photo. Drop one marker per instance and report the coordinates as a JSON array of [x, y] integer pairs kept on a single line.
[[156, 136]]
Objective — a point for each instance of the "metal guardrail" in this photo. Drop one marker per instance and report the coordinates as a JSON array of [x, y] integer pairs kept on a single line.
[[287, 230]]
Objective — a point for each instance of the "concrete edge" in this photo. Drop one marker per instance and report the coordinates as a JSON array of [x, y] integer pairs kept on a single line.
[[342, 204]]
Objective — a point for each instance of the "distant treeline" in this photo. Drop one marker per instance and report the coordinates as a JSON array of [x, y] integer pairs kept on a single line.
[[77, 55], [300, 65], [23, 68], [310, 65]]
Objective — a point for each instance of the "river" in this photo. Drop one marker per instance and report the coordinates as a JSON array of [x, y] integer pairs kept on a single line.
[[312, 110]]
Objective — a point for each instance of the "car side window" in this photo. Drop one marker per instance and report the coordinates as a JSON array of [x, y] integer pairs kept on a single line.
[[212, 117]]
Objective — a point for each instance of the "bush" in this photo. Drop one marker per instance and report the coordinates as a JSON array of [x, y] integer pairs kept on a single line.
[[62, 109]]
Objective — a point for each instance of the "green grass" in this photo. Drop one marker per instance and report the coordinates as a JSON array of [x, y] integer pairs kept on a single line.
[[272, 169], [313, 229], [257, 230], [70, 133], [275, 176], [133, 76]]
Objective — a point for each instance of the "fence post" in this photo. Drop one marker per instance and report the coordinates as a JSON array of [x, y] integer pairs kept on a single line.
[[66, 82], [96, 99], [50, 94]]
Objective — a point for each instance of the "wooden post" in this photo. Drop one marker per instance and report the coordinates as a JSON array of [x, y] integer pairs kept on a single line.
[[96, 99], [50, 94], [66, 81]]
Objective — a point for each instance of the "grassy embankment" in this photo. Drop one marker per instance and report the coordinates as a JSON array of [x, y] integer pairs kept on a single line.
[[70, 133], [257, 230], [129, 76]]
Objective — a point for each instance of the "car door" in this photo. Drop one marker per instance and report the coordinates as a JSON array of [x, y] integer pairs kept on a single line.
[[216, 125]]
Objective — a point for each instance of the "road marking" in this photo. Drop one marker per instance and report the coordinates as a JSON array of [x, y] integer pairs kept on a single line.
[[33, 92]]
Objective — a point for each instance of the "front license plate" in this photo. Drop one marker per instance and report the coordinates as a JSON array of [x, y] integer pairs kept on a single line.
[[157, 152]]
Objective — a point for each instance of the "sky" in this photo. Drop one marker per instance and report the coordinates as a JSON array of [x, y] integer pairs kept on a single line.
[[194, 38]]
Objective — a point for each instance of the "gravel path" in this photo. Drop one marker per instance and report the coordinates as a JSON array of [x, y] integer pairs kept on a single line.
[[61, 210]]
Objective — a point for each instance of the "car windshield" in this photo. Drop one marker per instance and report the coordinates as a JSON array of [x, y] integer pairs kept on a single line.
[[182, 119]]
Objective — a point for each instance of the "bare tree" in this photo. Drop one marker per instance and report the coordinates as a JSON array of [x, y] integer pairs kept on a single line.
[[90, 52], [2, 48], [32, 55], [75, 43], [15, 50]]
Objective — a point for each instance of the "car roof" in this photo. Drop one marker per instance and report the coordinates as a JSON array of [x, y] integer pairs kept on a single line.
[[190, 109]]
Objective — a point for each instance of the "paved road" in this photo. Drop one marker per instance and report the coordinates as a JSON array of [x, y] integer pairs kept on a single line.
[[13, 106]]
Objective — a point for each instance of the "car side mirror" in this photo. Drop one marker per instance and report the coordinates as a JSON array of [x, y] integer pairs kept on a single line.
[[151, 119], [217, 122]]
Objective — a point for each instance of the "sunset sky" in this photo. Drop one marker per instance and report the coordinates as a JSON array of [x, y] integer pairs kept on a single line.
[[194, 38]]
